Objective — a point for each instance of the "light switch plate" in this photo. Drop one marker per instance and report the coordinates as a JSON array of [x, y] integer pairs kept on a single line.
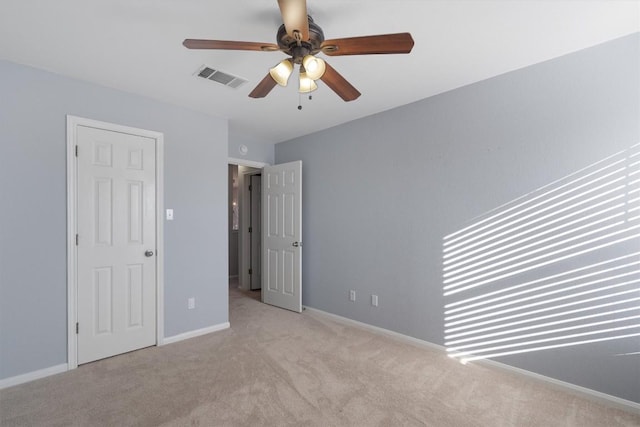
[[169, 214]]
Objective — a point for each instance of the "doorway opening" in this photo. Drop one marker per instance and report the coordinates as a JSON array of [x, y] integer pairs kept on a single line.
[[270, 198], [244, 225]]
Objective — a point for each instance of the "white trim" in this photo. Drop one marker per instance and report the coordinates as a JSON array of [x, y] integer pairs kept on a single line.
[[72, 177], [247, 243], [244, 242], [34, 375], [159, 238], [379, 330], [58, 369], [607, 399], [243, 235], [600, 397], [196, 333], [244, 162], [72, 207]]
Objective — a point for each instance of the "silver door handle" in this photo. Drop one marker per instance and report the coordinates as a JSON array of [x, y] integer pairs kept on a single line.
[[297, 244], [148, 253]]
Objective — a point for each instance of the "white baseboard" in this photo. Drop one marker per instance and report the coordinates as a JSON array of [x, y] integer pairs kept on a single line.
[[402, 337], [604, 398], [195, 333], [34, 375], [594, 395]]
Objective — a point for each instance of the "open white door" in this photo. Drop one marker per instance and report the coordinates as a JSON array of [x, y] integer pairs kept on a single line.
[[282, 235]]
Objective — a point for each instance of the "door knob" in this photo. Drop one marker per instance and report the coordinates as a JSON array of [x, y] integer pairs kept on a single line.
[[296, 244], [148, 253]]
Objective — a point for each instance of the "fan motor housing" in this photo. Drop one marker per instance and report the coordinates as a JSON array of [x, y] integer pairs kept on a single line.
[[298, 51]]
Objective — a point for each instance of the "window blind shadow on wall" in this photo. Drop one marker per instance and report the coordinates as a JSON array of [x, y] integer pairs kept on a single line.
[[558, 267]]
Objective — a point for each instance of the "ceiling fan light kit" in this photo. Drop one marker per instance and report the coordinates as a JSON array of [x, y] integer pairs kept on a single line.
[[301, 38], [307, 84], [315, 67], [281, 72]]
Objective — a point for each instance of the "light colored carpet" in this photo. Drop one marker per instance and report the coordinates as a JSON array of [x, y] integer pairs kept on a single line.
[[277, 368]]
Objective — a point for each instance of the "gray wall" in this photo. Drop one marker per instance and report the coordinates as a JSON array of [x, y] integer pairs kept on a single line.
[[380, 193], [33, 291], [259, 150]]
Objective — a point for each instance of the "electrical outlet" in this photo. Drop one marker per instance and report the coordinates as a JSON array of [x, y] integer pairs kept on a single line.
[[352, 295], [191, 303], [374, 300]]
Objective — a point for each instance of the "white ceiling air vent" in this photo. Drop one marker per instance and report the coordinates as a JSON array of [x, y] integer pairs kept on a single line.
[[220, 77]]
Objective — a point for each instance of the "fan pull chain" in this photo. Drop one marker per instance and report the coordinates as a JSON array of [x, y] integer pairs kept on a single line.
[[299, 95], [310, 97]]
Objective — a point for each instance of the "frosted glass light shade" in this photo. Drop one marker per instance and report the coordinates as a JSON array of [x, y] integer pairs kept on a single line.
[[281, 72], [315, 67], [306, 84]]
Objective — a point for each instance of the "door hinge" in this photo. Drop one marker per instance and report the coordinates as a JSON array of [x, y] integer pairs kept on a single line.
[[249, 187], [77, 327], [251, 271], [250, 229], [76, 240], [76, 151]]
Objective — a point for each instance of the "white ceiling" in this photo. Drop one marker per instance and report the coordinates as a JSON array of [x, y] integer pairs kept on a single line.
[[136, 46]]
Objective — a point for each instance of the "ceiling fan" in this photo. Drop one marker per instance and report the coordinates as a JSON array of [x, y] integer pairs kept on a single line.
[[301, 38]]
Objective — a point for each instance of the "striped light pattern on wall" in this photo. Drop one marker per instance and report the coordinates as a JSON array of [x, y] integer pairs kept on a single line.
[[558, 267]]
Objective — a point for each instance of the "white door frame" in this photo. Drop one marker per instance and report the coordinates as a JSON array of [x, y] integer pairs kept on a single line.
[[72, 212], [243, 235]]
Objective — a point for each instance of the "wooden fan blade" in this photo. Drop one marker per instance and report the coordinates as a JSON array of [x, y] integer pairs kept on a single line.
[[294, 16], [369, 45], [228, 45], [263, 88], [339, 84]]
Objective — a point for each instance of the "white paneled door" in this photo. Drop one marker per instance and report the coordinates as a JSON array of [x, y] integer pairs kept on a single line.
[[116, 260], [282, 235]]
